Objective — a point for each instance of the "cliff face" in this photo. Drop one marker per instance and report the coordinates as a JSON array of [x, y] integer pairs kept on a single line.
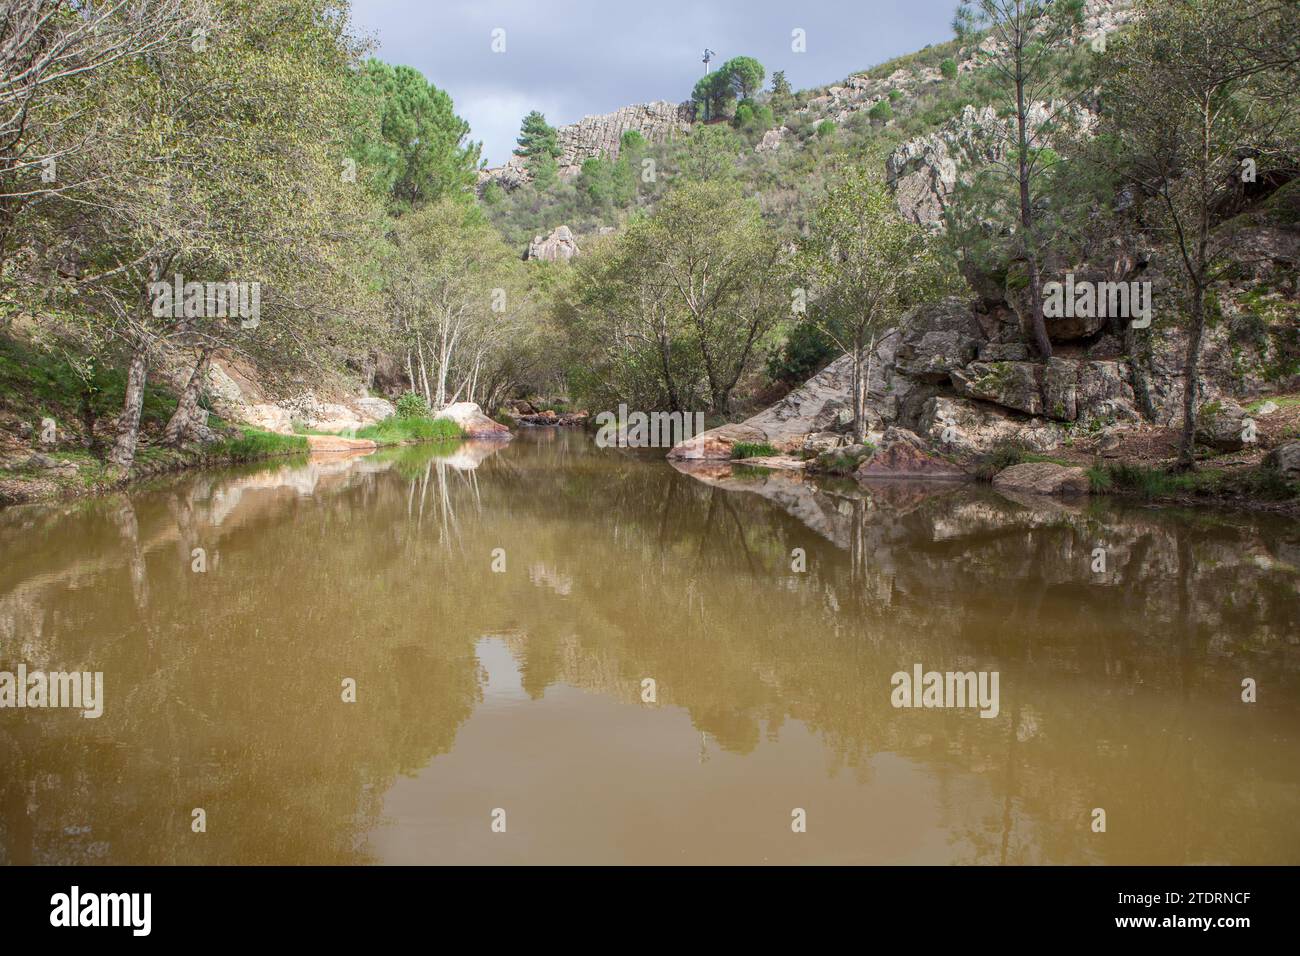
[[594, 136]]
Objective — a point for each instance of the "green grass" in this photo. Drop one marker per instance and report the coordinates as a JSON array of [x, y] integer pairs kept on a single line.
[[256, 443], [746, 449], [1281, 401], [393, 430]]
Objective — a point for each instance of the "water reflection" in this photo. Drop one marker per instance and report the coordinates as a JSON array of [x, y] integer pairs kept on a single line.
[[522, 689]]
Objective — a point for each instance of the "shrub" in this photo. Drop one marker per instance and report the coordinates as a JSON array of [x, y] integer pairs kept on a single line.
[[412, 405], [826, 128], [881, 111], [806, 352], [949, 69]]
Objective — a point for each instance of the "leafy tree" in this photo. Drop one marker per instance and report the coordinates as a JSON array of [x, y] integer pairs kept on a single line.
[[709, 153], [453, 287], [1191, 90], [864, 267], [714, 95], [417, 152], [673, 310], [745, 74], [782, 98], [720, 260], [1026, 34], [753, 119], [537, 138]]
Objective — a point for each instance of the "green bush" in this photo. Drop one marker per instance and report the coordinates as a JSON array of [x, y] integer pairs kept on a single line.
[[949, 69], [806, 352], [412, 405], [881, 111]]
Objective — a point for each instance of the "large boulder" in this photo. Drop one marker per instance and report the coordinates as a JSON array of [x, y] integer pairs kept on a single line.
[[372, 409], [271, 418], [819, 405], [1286, 459], [903, 454], [1220, 424], [1043, 478], [473, 422]]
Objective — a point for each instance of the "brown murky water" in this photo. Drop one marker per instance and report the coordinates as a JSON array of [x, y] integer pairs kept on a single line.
[[522, 690]]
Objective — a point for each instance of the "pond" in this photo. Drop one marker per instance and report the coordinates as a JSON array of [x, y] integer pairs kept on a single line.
[[547, 652]]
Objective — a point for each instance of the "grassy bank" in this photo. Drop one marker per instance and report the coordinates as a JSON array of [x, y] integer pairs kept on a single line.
[[397, 430]]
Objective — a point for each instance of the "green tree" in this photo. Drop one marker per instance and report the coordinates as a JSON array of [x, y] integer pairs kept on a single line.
[[713, 250], [745, 75], [714, 96], [1027, 35], [864, 267], [1194, 88], [537, 138], [417, 151]]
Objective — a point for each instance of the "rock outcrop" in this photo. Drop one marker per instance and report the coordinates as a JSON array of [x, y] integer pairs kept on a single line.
[[599, 135], [559, 246], [924, 172]]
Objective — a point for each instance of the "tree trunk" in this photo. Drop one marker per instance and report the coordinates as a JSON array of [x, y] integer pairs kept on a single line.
[[182, 422], [1038, 322], [859, 394], [1192, 380], [128, 424]]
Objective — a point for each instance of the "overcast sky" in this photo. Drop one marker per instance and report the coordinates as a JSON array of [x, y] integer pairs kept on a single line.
[[571, 58]]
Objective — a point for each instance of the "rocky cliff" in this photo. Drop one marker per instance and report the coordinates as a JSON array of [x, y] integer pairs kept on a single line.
[[600, 135]]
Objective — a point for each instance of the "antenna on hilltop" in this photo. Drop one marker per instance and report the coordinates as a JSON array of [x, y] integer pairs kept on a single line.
[[708, 55]]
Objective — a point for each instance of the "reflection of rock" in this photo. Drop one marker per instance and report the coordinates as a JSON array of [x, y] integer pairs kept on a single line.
[[469, 454]]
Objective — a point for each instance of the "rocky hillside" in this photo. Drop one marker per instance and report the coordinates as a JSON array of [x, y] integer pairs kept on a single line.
[[959, 373]]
